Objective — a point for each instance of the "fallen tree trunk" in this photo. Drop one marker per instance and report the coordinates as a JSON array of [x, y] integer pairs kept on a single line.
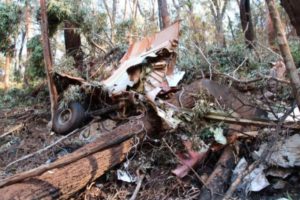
[[73, 172], [214, 187]]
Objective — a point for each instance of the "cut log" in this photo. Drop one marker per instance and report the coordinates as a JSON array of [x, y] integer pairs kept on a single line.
[[216, 184], [74, 171]]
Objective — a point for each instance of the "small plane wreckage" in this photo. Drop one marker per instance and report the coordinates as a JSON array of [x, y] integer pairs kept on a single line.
[[147, 70], [142, 93]]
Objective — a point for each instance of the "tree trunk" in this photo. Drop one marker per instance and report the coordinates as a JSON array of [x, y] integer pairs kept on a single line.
[[231, 28], [164, 18], [271, 33], [28, 27], [218, 12], [28, 23], [292, 7], [285, 50], [73, 45], [220, 37], [7, 71], [246, 21], [48, 58], [112, 16]]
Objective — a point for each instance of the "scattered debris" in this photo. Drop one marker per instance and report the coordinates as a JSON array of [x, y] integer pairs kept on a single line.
[[125, 176], [286, 153]]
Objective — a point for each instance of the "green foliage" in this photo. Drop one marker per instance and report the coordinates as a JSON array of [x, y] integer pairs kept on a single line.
[[9, 21], [66, 65], [72, 94], [76, 13], [19, 96], [35, 65], [122, 29], [57, 11], [93, 26]]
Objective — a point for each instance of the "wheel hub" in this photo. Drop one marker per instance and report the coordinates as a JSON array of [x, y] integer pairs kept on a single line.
[[65, 116]]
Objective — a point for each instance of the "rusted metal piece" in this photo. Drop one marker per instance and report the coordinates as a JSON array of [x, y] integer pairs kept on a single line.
[[136, 64], [151, 59]]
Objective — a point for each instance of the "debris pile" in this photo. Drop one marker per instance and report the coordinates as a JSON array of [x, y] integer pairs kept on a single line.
[[146, 136]]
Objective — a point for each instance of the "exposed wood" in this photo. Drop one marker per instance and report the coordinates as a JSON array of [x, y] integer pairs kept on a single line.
[[79, 168], [48, 58], [65, 181], [215, 185], [257, 122], [285, 50]]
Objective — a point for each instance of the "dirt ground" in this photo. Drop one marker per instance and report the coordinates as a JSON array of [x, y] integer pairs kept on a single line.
[[26, 130]]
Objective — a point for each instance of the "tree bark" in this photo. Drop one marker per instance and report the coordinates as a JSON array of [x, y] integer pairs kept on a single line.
[[73, 45], [246, 21], [285, 50], [112, 16], [164, 17], [48, 58], [292, 7], [70, 175], [271, 32], [28, 23], [218, 12], [7, 71], [215, 185]]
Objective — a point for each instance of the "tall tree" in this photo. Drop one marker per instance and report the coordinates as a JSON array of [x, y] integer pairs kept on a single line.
[[28, 22], [7, 68], [28, 33], [7, 64], [218, 8], [285, 50], [112, 16], [73, 44], [271, 32], [246, 21], [292, 8], [48, 58], [164, 17]]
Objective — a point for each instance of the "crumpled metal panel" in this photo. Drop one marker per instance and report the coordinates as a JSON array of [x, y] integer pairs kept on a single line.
[[156, 41], [137, 53]]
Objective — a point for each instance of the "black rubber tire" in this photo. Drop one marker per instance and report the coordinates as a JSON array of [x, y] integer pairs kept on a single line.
[[75, 118]]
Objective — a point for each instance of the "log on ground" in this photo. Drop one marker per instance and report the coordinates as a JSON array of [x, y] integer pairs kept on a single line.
[[63, 181], [216, 184]]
